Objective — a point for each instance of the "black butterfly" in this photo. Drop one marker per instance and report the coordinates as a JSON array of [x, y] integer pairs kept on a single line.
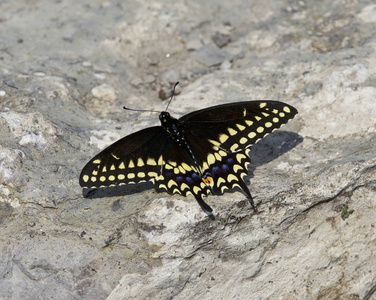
[[206, 151]]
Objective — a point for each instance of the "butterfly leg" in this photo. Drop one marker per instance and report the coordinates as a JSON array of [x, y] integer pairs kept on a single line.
[[206, 208]]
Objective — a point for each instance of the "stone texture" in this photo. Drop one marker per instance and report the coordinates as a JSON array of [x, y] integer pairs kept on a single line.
[[67, 69]]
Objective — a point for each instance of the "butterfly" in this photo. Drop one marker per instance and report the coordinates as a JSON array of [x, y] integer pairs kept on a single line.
[[203, 152]]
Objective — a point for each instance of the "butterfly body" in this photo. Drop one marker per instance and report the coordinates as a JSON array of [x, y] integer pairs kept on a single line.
[[206, 151]]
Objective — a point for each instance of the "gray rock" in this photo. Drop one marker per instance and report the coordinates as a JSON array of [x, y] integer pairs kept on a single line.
[[313, 181], [221, 39], [210, 55]]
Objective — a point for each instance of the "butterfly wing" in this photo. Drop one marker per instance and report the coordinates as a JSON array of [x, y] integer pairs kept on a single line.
[[135, 158], [149, 154], [221, 137], [240, 125]]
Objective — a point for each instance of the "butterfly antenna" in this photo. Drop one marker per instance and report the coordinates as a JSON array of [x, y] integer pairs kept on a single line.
[[147, 110], [172, 96]]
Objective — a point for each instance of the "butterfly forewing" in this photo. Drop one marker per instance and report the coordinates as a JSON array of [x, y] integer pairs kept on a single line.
[[237, 126], [132, 159]]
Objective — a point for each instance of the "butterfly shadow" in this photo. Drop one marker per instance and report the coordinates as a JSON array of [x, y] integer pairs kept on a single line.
[[271, 147]]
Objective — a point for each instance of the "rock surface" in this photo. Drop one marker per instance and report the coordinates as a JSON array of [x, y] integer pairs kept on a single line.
[[67, 69]]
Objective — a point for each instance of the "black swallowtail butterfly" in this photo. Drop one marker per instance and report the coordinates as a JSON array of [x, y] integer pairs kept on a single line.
[[206, 151]]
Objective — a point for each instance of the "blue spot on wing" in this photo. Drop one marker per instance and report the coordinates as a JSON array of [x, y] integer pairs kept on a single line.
[[189, 180], [169, 175], [196, 177], [225, 168], [216, 171]]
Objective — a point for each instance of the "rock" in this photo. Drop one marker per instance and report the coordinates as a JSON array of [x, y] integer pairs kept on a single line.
[[221, 39], [313, 181], [211, 56], [193, 45], [171, 76], [105, 92]]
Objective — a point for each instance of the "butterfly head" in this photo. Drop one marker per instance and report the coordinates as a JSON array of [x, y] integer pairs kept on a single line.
[[164, 117]]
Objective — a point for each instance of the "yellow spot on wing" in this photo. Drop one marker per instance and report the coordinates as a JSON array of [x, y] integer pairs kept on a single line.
[[162, 186], [93, 178], [115, 156], [171, 183], [240, 156], [121, 176], [260, 129], [95, 172], [257, 118], [104, 169], [141, 174], [102, 178], [249, 123], [112, 168], [111, 177], [152, 174], [176, 191], [222, 153], [186, 167], [184, 186], [131, 164], [97, 161], [151, 162], [220, 181], [122, 166], [131, 175], [231, 177], [160, 177], [275, 120], [217, 156], [210, 159], [85, 178], [251, 135], [223, 138], [286, 109], [196, 190], [262, 105], [215, 142], [240, 127], [234, 147], [140, 162], [172, 163], [268, 124], [232, 131], [243, 140]]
